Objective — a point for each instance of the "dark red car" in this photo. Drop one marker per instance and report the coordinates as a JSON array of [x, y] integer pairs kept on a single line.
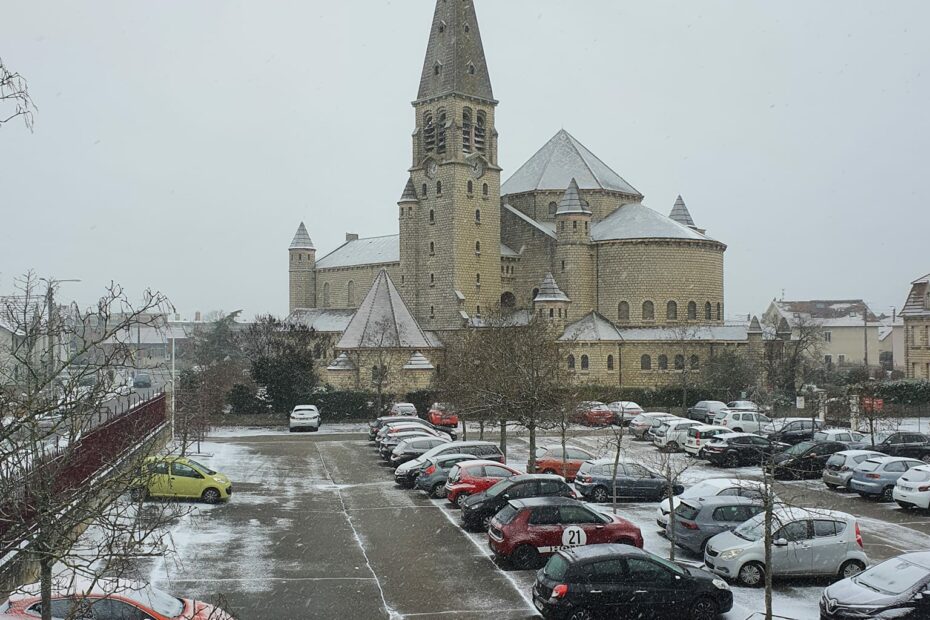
[[526, 530], [470, 477], [593, 414], [552, 460], [441, 416]]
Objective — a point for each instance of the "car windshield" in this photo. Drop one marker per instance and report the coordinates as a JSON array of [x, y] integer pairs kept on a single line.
[[893, 576], [556, 567], [499, 488], [754, 529], [157, 600], [800, 448], [202, 468]]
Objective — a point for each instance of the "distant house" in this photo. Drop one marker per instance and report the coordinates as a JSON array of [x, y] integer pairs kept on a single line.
[[916, 316]]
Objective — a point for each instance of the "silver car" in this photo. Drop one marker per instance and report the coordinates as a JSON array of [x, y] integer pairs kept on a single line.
[[304, 417], [876, 477], [839, 468], [699, 519]]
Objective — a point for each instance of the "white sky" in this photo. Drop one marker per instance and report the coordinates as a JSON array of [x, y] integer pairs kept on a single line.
[[178, 144]]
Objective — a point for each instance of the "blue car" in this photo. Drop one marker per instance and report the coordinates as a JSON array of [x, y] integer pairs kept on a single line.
[[634, 481], [877, 476]]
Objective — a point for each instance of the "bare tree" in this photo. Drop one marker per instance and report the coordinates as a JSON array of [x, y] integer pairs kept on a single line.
[[14, 97], [794, 354], [670, 467]]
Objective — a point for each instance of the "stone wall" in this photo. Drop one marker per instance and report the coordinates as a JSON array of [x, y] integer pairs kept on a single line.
[[399, 381], [302, 279], [538, 205], [335, 282], [538, 254], [917, 347]]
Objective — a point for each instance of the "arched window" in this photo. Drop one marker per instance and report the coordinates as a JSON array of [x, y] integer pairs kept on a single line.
[[679, 362], [553, 207], [432, 279], [649, 311], [432, 248], [535, 293], [429, 133], [439, 188], [623, 311], [478, 311], [478, 215], [480, 131], [692, 311], [551, 313], [350, 293], [326, 294], [485, 190], [432, 216], [671, 311], [663, 362], [585, 362], [441, 133], [432, 312], [695, 362], [470, 186], [424, 194], [719, 311], [708, 311], [466, 131], [645, 362], [478, 279], [477, 247], [610, 362], [571, 362]]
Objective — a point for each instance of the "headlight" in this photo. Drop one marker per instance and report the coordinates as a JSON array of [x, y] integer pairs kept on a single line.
[[720, 584], [731, 554]]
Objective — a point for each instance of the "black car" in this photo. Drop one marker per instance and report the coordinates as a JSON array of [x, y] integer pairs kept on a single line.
[[737, 449], [909, 444], [432, 475], [794, 430], [141, 381], [805, 460], [896, 588], [620, 581], [479, 508]]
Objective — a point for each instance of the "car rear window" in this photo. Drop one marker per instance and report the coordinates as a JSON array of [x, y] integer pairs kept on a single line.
[[556, 567], [869, 465], [454, 473], [836, 459], [506, 514], [687, 511], [819, 436], [916, 475]]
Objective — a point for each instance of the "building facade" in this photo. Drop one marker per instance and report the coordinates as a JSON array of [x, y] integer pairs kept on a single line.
[[916, 315]]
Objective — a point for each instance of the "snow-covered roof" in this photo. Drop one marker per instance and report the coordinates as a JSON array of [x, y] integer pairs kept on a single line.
[[549, 291], [302, 239], [507, 251], [540, 226], [418, 361], [831, 313], [572, 202], [341, 363], [916, 304], [370, 251], [594, 327], [326, 320], [383, 321], [557, 162], [637, 221], [410, 192], [681, 214]]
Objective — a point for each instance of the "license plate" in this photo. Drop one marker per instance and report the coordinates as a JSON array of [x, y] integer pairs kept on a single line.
[[537, 602], [904, 488]]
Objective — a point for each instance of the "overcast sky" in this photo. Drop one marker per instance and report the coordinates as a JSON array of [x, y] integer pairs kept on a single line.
[[178, 144]]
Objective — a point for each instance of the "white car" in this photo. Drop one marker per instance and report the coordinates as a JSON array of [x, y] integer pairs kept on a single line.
[[672, 434], [625, 411], [700, 435], [304, 417], [644, 421], [753, 489], [743, 421], [403, 409], [805, 543], [912, 490]]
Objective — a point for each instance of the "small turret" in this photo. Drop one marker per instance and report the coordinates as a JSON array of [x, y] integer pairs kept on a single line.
[[550, 302], [573, 217], [681, 215], [302, 270]]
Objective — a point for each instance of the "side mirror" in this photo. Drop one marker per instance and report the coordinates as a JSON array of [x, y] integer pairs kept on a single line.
[[780, 542], [506, 497]]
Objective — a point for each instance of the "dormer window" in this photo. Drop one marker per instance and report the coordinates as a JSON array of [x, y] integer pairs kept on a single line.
[[471, 68], [437, 68], [442, 26]]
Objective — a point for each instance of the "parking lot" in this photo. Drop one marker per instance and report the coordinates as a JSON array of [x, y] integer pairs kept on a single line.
[[316, 527]]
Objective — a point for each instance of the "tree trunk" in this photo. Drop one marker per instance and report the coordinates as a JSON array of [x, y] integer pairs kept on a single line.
[[671, 523], [531, 463], [613, 482], [481, 430], [504, 438], [769, 509], [45, 587]]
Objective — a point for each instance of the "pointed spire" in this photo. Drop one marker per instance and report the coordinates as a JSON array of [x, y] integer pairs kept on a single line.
[[302, 239], [681, 214], [410, 192], [549, 291], [572, 201], [754, 326], [383, 321], [455, 62]]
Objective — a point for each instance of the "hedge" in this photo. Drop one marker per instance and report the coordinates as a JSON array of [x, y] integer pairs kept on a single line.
[[903, 392]]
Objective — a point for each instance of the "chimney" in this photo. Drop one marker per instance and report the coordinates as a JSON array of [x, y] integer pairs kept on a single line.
[[351, 237], [197, 316]]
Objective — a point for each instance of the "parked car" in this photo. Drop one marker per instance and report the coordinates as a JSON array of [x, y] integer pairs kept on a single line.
[[839, 468], [699, 436], [440, 415], [743, 405], [478, 509], [406, 474], [699, 519], [876, 477], [526, 530], [551, 460], [443, 431], [743, 421], [470, 477], [409, 449], [376, 425], [712, 487], [107, 598], [896, 588], [793, 430], [179, 477], [142, 380], [408, 409], [592, 413], [620, 581], [304, 417], [387, 445], [672, 433], [912, 490], [655, 424], [806, 543], [738, 449], [644, 421], [624, 411], [804, 460], [396, 428], [705, 410], [909, 444], [433, 474], [596, 482], [853, 440]]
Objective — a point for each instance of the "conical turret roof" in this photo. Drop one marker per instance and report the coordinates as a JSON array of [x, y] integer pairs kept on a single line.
[[418, 361], [410, 192], [681, 214], [754, 326], [572, 202], [383, 321], [455, 62], [549, 291], [302, 239]]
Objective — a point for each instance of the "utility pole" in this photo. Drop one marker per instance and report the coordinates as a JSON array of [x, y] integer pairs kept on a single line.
[[865, 335]]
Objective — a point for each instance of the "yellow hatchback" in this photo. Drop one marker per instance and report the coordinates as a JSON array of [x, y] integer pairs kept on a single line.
[[182, 478]]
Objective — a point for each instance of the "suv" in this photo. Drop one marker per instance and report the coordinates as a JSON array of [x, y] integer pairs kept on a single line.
[[405, 409], [409, 449], [794, 430], [804, 460], [913, 445], [406, 474], [742, 421], [304, 417], [737, 449], [478, 509], [633, 480], [434, 473], [699, 519], [806, 543], [527, 529], [470, 477], [625, 582], [705, 410], [672, 433], [699, 436]]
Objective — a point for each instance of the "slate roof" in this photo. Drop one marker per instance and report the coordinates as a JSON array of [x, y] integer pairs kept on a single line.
[[549, 290], [455, 47], [370, 251], [507, 251], [302, 239], [560, 160], [571, 201], [637, 221], [594, 327], [383, 321], [326, 320], [681, 214], [916, 304], [827, 312], [341, 363], [418, 361], [410, 192], [540, 226]]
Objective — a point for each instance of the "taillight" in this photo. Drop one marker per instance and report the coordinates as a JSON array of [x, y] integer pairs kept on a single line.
[[873, 476], [559, 591], [858, 535], [844, 468], [923, 489], [690, 525], [430, 470], [723, 423], [585, 479]]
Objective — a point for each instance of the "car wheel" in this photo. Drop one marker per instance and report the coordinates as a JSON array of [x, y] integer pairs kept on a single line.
[[290, 430], [486, 523], [211, 496], [600, 495], [581, 614], [832, 487], [926, 458], [524, 556], [737, 430], [906, 506], [139, 494], [438, 491], [751, 574], [548, 471], [732, 460], [704, 609], [701, 453], [672, 446], [887, 494], [851, 568], [624, 541], [460, 499]]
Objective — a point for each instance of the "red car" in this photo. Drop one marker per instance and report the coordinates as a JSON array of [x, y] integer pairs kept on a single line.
[[593, 414], [549, 460], [440, 416], [470, 477], [526, 530], [108, 599]]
